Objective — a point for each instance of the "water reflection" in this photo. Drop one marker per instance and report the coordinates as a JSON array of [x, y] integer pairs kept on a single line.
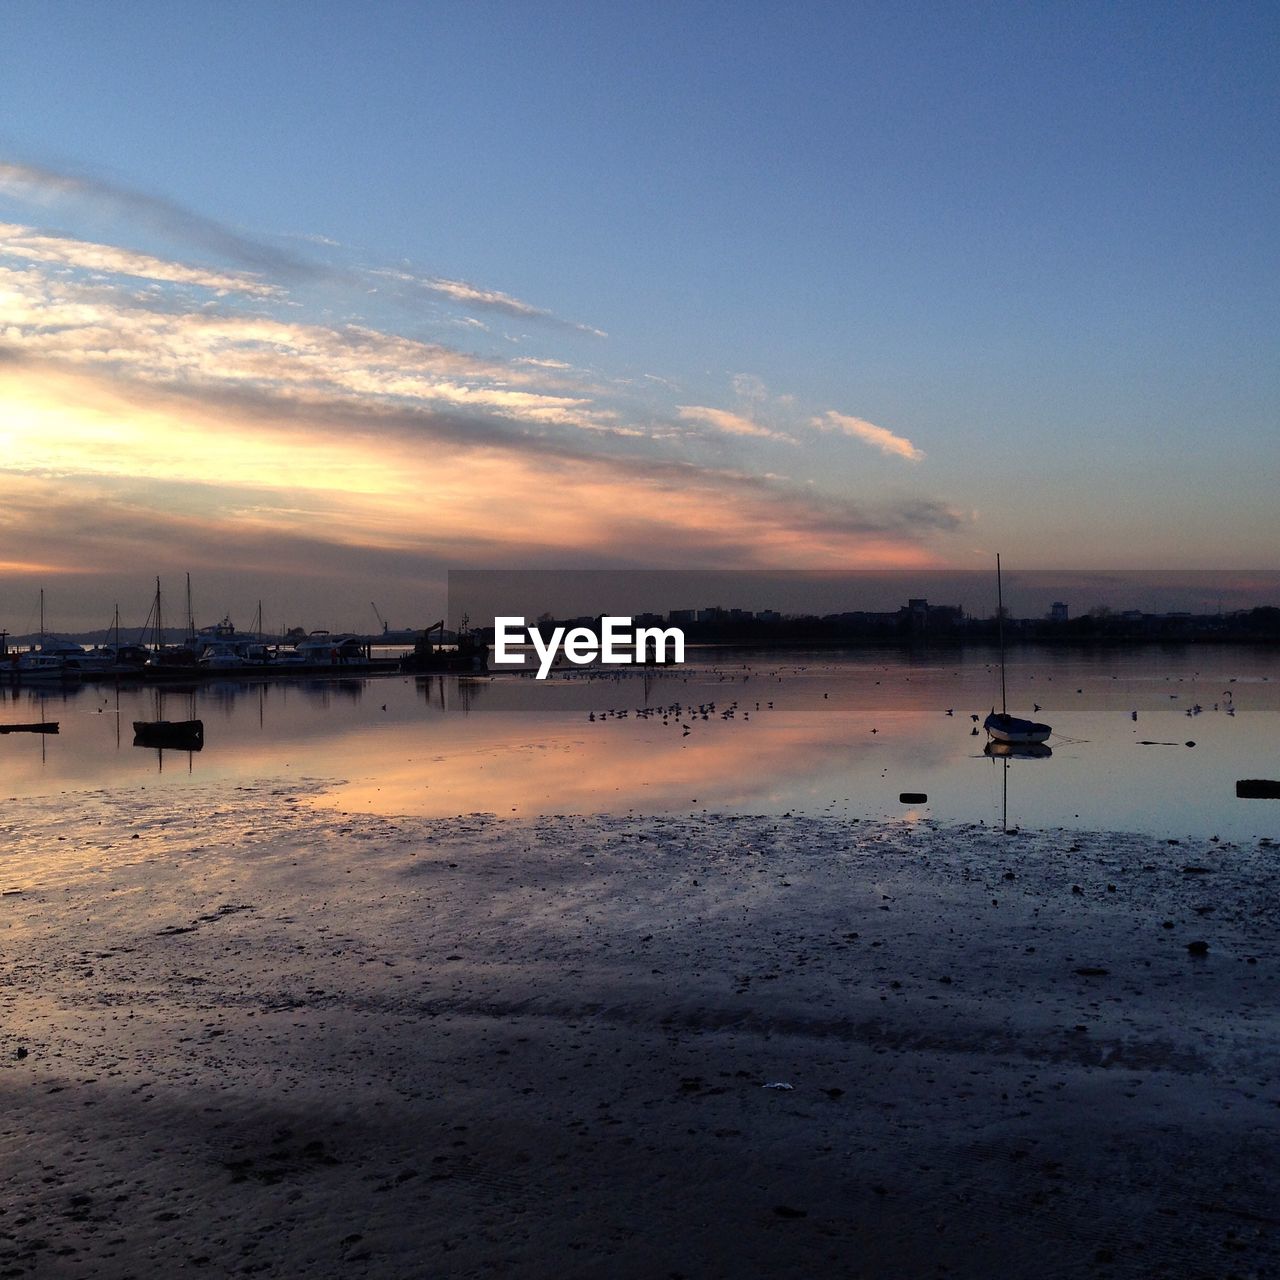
[[813, 734], [1006, 752]]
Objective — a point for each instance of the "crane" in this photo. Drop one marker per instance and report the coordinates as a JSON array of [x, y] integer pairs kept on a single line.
[[381, 619]]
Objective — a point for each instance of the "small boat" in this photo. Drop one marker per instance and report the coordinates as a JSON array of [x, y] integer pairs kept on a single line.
[[1000, 725], [54, 659], [321, 649], [223, 656], [1003, 727], [44, 726], [1257, 789], [187, 735]]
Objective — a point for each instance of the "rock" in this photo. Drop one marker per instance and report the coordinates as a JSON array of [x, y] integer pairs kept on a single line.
[[1198, 948]]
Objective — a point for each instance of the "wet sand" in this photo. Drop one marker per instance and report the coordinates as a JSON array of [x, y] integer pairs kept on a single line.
[[244, 1037]]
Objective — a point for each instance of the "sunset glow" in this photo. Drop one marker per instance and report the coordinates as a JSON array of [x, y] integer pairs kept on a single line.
[[394, 379]]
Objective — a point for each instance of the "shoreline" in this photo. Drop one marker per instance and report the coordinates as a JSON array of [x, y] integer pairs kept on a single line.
[[266, 1038]]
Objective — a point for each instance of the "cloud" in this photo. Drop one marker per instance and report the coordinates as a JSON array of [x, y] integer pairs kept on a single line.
[[751, 388], [48, 186], [35, 246], [397, 476], [542, 364], [86, 325], [473, 295], [145, 420], [732, 424], [879, 437]]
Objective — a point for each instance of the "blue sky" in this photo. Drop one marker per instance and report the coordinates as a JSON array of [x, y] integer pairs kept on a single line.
[[1034, 246]]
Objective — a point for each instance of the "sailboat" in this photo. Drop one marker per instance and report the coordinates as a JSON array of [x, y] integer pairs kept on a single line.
[[1000, 725], [51, 659]]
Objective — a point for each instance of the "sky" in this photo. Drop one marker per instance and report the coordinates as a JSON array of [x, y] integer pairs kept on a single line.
[[317, 301]]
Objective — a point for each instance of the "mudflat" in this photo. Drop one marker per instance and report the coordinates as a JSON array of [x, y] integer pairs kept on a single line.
[[246, 1035]]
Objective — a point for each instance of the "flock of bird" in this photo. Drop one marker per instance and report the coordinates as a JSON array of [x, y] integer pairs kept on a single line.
[[686, 715], [678, 712]]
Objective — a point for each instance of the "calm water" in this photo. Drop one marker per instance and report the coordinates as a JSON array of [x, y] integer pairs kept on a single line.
[[810, 733]]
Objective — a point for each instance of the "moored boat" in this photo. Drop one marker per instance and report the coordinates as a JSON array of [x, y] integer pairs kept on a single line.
[[186, 735], [1000, 725], [323, 649], [54, 659], [1003, 727]]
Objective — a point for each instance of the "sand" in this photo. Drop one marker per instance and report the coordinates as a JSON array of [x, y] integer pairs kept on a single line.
[[244, 1037]]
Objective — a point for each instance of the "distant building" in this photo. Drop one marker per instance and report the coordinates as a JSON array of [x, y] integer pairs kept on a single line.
[[921, 616], [1058, 611], [678, 616]]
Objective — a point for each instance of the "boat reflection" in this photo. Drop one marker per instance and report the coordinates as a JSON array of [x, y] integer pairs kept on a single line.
[[1004, 752], [1017, 750]]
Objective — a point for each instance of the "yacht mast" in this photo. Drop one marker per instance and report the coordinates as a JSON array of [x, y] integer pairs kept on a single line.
[[1004, 709]]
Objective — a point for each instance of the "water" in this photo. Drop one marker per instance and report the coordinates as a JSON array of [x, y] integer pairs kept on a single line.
[[813, 733]]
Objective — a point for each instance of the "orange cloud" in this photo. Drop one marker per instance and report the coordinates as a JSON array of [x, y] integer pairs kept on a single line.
[[237, 473], [879, 437], [733, 424]]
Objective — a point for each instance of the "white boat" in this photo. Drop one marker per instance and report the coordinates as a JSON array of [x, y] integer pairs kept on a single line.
[[35, 664], [54, 659], [223, 656], [321, 649], [1003, 727], [1000, 725]]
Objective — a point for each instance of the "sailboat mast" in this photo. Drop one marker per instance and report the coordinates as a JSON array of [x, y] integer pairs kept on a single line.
[[42, 618], [1004, 707]]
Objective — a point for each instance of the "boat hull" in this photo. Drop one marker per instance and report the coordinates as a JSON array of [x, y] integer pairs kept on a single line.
[[1005, 728], [186, 735]]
